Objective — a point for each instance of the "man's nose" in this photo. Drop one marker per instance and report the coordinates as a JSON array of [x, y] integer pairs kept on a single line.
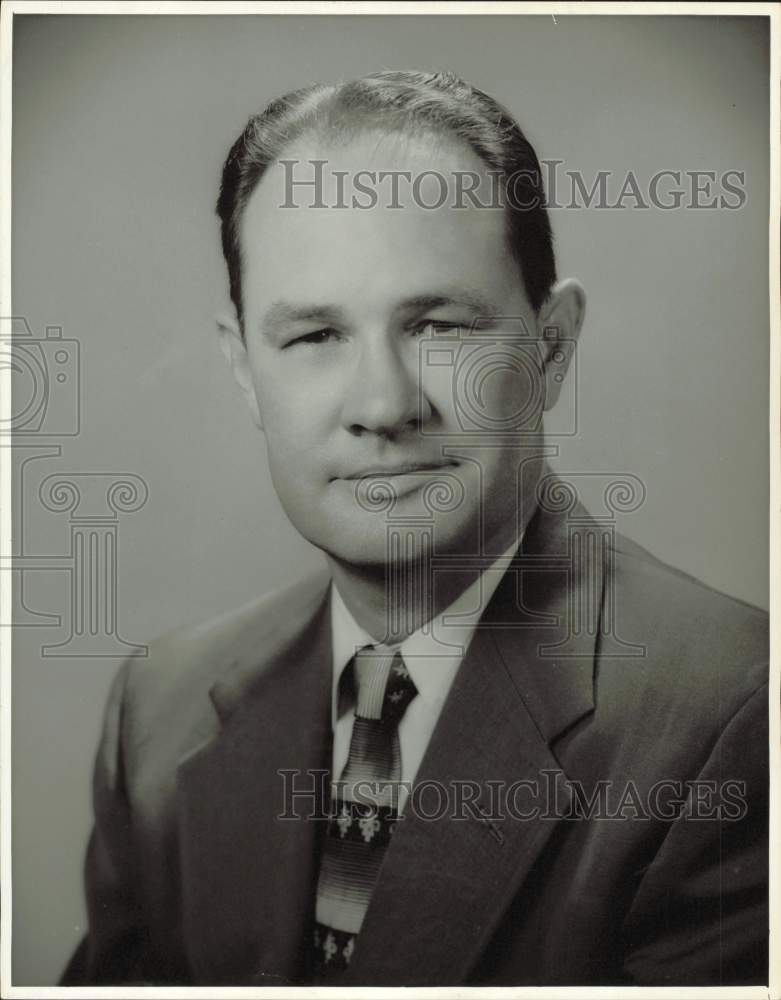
[[384, 393]]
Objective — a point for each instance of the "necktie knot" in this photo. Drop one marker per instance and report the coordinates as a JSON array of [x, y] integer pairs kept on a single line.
[[384, 685], [399, 691]]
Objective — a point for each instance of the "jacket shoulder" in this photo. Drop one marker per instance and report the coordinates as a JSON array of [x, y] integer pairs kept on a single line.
[[686, 604], [167, 707], [701, 648]]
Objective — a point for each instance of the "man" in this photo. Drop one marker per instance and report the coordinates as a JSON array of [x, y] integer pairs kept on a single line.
[[496, 743]]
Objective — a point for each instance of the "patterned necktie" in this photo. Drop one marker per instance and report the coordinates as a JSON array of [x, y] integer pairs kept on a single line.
[[364, 812]]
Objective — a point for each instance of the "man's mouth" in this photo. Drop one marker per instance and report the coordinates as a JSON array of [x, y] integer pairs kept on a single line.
[[401, 469]]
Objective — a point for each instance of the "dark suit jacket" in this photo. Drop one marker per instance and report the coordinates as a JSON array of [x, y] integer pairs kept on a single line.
[[192, 878]]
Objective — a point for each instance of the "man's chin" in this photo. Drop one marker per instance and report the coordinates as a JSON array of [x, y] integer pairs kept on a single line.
[[372, 541], [365, 550]]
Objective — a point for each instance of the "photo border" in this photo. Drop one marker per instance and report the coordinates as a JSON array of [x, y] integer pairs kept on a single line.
[[484, 9]]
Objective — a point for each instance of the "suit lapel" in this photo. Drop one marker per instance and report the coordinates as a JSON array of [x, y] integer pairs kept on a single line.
[[247, 874], [446, 882]]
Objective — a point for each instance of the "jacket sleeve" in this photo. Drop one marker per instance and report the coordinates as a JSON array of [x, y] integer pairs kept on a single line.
[[700, 916], [112, 950]]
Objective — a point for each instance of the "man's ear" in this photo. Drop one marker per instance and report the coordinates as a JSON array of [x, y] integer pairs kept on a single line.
[[558, 326], [235, 351]]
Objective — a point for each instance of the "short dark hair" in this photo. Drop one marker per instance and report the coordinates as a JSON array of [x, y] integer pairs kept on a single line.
[[401, 101]]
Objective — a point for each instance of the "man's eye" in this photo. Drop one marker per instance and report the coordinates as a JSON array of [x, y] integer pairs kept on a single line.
[[429, 327], [315, 337]]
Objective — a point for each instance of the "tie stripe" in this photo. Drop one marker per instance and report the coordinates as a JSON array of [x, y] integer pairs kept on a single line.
[[374, 760], [364, 808], [372, 669], [348, 873]]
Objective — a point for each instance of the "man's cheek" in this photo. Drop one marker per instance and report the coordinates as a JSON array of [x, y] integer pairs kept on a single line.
[[295, 454]]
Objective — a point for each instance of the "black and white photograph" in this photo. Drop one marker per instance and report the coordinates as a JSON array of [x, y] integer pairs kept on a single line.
[[390, 452]]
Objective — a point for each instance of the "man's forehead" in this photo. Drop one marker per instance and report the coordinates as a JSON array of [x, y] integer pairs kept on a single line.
[[347, 254], [389, 226]]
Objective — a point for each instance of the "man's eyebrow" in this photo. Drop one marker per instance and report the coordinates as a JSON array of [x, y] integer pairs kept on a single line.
[[456, 297], [281, 313]]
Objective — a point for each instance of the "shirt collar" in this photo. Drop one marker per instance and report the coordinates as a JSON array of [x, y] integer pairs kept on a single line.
[[434, 652]]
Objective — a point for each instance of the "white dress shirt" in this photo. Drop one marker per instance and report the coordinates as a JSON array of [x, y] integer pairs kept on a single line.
[[432, 656]]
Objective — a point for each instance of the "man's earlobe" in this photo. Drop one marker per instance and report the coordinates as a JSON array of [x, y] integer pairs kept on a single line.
[[235, 351], [559, 324]]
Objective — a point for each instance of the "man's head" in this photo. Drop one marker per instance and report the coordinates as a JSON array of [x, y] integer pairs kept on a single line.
[[341, 303]]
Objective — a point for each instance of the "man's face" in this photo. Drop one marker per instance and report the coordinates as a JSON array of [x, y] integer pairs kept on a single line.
[[361, 417]]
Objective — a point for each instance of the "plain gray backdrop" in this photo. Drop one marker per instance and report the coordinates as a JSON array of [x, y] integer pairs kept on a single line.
[[120, 128]]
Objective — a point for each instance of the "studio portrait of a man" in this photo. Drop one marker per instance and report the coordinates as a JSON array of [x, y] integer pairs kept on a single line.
[[487, 738]]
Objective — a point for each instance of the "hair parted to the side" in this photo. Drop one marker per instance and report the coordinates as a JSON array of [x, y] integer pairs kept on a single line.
[[397, 101]]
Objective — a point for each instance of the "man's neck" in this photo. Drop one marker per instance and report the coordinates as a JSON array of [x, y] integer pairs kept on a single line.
[[391, 601]]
